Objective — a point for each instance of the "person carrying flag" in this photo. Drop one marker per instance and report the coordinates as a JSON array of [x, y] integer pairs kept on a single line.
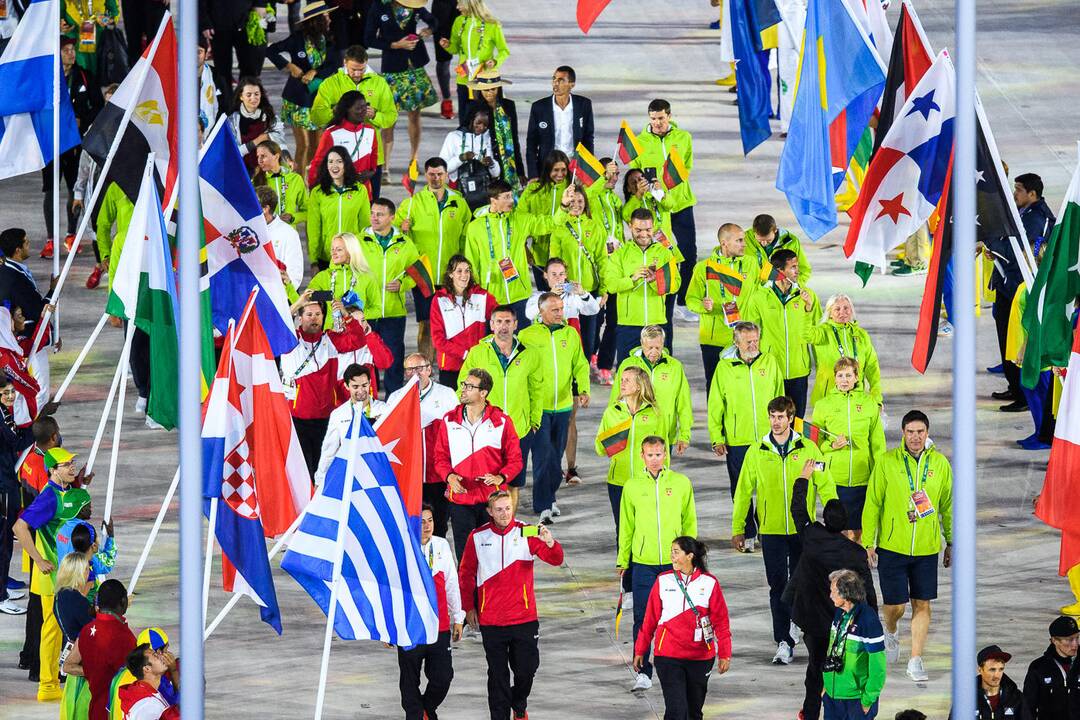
[[721, 286], [497, 594], [764, 238], [770, 471]]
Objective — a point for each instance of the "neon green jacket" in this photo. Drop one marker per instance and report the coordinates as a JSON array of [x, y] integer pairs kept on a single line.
[[626, 463], [518, 390], [340, 279], [739, 398], [655, 151], [855, 415], [785, 240], [540, 200], [653, 512], [438, 234], [888, 500], [375, 90], [713, 328], [784, 326], [491, 237], [562, 363], [332, 213], [581, 242], [388, 265], [661, 213], [771, 478], [670, 386], [831, 341], [605, 204], [115, 208], [476, 41], [292, 195], [639, 303]]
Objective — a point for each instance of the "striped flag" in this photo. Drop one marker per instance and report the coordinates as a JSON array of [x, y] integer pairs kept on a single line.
[[1059, 504], [675, 172], [421, 274], [728, 277], [769, 273], [387, 592], [808, 430], [408, 180], [665, 276], [585, 167], [629, 147], [615, 438]]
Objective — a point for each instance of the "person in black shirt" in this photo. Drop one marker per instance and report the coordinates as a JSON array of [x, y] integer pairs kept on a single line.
[[1052, 684]]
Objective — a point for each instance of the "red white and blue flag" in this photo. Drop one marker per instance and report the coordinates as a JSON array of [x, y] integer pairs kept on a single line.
[[239, 256], [256, 470], [402, 435]]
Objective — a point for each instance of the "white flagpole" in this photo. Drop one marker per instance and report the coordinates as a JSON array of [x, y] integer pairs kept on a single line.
[[118, 377], [153, 532], [79, 360], [339, 553], [209, 564], [115, 451], [57, 74]]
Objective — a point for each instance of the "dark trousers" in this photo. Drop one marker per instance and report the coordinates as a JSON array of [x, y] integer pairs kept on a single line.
[[781, 555], [140, 363], [685, 684], [392, 332], [465, 519], [519, 312], [449, 378], [249, 58], [69, 169], [795, 388], [30, 655], [589, 325], [525, 443], [710, 358], [816, 647], [9, 513], [435, 496], [1002, 307], [141, 20], [682, 224], [510, 648], [735, 456], [547, 448], [605, 356], [376, 183], [627, 337], [438, 667], [310, 433], [669, 328], [644, 577], [614, 493], [1037, 396], [463, 102], [847, 709]]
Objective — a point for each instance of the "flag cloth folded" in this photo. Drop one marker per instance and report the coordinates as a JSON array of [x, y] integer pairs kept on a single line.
[[840, 80], [408, 180], [586, 167], [144, 291], [28, 75], [400, 432], [588, 11], [675, 172], [728, 277], [386, 590], [420, 272], [911, 57], [665, 276], [808, 430], [750, 77], [1058, 504], [629, 146], [616, 437]]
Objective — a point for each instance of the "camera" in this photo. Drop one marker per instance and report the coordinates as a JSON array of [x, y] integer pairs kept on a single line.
[[833, 664]]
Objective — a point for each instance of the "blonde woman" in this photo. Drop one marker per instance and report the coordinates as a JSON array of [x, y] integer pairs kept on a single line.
[[477, 39], [73, 611], [839, 335], [347, 279]]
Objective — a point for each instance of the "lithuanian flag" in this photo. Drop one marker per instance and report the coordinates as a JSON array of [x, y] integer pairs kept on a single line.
[[408, 180], [664, 277], [616, 437], [629, 147], [675, 172], [769, 273], [810, 431], [728, 277], [585, 167], [420, 272]]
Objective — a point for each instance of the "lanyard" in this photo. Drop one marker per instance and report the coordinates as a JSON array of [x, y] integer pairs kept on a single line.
[[604, 215], [840, 344], [508, 234], [311, 354], [481, 138], [356, 138], [333, 284], [843, 628], [282, 187], [431, 555], [682, 586], [910, 479]]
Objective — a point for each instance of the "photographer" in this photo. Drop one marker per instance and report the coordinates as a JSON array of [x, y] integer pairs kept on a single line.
[[854, 669]]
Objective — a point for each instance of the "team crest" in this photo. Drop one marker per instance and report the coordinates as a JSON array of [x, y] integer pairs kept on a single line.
[[858, 408], [243, 239], [668, 492], [663, 377]]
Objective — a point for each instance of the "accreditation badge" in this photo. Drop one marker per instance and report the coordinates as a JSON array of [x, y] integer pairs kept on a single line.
[[731, 313], [88, 36], [509, 272], [923, 506]]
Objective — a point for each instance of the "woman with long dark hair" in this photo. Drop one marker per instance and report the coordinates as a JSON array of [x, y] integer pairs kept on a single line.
[[253, 119], [338, 203], [542, 198], [460, 311]]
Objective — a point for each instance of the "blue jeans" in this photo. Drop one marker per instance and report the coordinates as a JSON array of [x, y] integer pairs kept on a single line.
[[519, 313], [547, 450], [614, 493], [392, 332], [781, 554], [644, 577], [735, 456]]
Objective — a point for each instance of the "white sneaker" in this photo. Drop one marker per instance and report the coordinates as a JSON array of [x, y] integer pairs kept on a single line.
[[15, 594], [796, 632], [627, 601], [140, 405], [684, 314], [555, 511], [892, 647], [153, 424], [784, 654], [642, 682], [545, 517], [749, 544], [8, 607], [916, 671], [945, 328]]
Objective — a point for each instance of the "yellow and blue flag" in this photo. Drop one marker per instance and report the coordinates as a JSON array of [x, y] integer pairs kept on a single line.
[[840, 80], [751, 76]]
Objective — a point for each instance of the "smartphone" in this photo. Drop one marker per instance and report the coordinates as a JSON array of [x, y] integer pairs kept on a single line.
[[650, 174], [530, 531], [819, 466], [322, 296]]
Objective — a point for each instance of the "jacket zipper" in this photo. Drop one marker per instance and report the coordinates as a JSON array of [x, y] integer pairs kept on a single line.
[[851, 448], [339, 197], [659, 542], [555, 362], [753, 399], [787, 514], [787, 342], [645, 289]]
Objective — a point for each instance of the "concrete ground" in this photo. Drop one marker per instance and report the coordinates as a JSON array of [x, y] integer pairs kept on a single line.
[[639, 50]]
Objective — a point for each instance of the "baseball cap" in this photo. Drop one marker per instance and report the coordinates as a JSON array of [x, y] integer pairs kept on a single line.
[[56, 456], [1064, 626], [993, 652], [155, 637]]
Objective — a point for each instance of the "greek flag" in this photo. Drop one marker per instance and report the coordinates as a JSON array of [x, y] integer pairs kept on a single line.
[[387, 592], [26, 95]]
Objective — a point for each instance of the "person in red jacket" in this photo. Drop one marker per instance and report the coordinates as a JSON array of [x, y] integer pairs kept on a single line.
[[476, 453], [349, 130], [460, 311], [103, 647], [496, 580], [688, 616], [142, 700]]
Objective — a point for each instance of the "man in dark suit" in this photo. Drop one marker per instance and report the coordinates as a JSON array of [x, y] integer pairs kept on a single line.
[[17, 285], [558, 122]]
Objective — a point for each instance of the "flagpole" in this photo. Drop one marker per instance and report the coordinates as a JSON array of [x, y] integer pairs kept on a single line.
[[154, 531], [118, 376], [964, 496], [339, 553], [192, 617], [79, 360], [208, 565], [57, 74], [115, 450]]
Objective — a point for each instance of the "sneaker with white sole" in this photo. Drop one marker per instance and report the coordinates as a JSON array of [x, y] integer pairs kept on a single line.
[[15, 594], [8, 607], [153, 424], [796, 632], [784, 654], [749, 544], [892, 647], [545, 517], [685, 314], [555, 511], [641, 682], [140, 405], [627, 601], [916, 671]]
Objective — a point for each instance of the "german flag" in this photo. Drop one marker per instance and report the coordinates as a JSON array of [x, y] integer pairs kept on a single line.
[[616, 437], [728, 277], [408, 180], [664, 277], [675, 172], [629, 147], [810, 431], [420, 272], [585, 167]]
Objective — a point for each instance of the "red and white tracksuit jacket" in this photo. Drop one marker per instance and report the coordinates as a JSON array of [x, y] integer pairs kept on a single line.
[[374, 355], [435, 402], [358, 138], [312, 367], [490, 447], [140, 701], [456, 327], [497, 573], [443, 569], [670, 619]]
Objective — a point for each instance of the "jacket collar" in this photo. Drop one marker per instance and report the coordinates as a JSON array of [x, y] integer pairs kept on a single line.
[[514, 524], [459, 413], [795, 443]]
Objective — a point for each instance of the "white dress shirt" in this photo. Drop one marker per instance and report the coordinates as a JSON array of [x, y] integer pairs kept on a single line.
[[564, 126]]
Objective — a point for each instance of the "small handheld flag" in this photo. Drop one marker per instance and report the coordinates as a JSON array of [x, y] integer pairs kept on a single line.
[[728, 277], [811, 432], [585, 167], [675, 172], [664, 277], [420, 272], [408, 180], [615, 438], [618, 612], [629, 147]]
